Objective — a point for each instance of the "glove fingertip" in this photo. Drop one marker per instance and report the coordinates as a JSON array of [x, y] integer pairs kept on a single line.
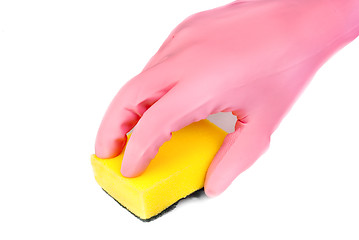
[[216, 183], [109, 149]]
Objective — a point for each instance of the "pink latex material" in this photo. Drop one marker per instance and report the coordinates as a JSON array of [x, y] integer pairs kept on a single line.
[[251, 58]]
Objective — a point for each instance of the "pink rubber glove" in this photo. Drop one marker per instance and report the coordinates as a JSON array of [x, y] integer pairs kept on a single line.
[[251, 58]]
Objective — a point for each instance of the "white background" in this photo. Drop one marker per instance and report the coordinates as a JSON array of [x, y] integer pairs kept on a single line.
[[61, 62]]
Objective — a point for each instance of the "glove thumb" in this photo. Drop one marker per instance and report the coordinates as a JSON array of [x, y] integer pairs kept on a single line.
[[238, 152]]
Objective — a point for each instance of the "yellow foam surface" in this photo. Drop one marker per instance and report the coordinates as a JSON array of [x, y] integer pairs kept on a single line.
[[178, 169]]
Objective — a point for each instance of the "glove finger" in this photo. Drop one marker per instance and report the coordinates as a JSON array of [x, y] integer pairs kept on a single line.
[[178, 108], [125, 110]]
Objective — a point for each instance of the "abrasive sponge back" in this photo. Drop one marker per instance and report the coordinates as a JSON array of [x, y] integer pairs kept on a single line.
[[178, 169]]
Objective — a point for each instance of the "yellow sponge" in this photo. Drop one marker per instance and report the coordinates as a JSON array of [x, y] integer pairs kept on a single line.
[[178, 170]]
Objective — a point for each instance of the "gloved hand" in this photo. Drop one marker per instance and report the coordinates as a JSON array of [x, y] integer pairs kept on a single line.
[[251, 58]]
